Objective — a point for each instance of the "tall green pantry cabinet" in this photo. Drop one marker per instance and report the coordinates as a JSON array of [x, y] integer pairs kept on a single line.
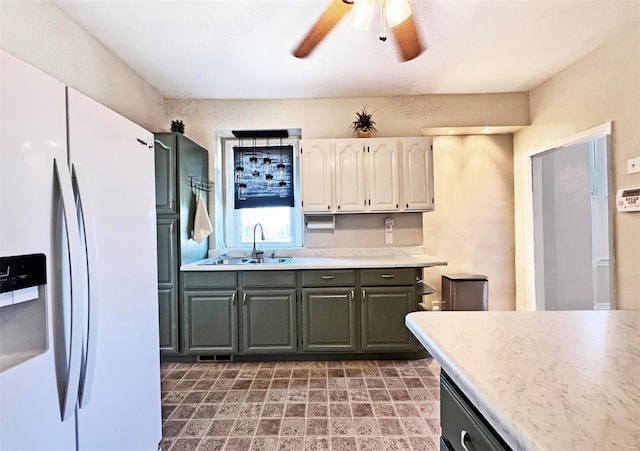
[[181, 166]]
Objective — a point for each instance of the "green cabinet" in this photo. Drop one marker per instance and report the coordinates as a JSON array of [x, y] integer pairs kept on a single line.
[[269, 321], [268, 312], [329, 320], [165, 168], [273, 312], [387, 296], [386, 307], [176, 160], [209, 307], [167, 285], [210, 324], [463, 427]]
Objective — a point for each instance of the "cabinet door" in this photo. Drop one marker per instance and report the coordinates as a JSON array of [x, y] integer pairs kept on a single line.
[[418, 174], [349, 176], [382, 314], [165, 162], [210, 322], [328, 320], [382, 169], [269, 321], [317, 181], [168, 285]]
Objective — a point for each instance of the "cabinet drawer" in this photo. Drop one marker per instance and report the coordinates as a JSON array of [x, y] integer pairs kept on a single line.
[[269, 279], [388, 276], [329, 278], [210, 279], [457, 415]]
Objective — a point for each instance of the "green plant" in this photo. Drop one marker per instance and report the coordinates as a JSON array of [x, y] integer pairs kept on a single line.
[[177, 126], [364, 122]]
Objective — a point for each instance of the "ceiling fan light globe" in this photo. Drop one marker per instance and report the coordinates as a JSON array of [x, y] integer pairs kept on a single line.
[[361, 14], [397, 11]]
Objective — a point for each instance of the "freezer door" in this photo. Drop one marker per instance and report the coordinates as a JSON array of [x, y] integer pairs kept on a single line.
[[32, 124], [114, 165]]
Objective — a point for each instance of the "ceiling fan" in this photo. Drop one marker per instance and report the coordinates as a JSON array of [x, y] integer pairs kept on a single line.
[[394, 13]]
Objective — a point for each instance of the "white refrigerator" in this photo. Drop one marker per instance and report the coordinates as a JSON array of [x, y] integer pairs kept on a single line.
[[79, 361]]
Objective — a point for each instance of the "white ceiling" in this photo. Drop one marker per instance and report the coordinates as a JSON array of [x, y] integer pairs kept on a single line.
[[241, 49]]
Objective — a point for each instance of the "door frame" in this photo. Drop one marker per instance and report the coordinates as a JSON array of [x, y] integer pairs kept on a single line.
[[603, 130]]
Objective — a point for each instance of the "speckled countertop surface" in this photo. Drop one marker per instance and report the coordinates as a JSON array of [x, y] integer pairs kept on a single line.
[[389, 261], [544, 380]]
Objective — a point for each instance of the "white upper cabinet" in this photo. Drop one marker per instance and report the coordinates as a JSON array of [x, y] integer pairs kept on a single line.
[[367, 175], [417, 174], [383, 187], [316, 160], [350, 173]]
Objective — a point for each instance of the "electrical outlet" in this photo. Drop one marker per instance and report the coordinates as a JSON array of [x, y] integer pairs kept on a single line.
[[633, 165]]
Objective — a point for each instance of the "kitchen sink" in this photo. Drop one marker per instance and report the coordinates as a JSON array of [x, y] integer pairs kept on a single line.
[[247, 260], [269, 260], [227, 261]]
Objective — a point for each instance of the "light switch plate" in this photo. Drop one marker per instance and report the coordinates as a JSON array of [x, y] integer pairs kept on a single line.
[[633, 165]]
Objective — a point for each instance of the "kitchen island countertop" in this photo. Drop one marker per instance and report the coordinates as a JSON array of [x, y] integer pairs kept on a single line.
[[544, 380], [377, 261]]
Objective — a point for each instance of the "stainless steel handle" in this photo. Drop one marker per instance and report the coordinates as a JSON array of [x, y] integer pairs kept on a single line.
[[388, 276], [244, 298], [85, 219], [72, 354], [171, 227], [352, 296], [328, 277], [364, 295], [233, 298], [173, 204], [463, 437]]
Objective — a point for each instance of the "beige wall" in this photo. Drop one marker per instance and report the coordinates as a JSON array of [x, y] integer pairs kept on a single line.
[[40, 34], [472, 225], [330, 118], [601, 87]]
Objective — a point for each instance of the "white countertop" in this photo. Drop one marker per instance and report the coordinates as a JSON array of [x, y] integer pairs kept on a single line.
[[544, 380], [378, 261]]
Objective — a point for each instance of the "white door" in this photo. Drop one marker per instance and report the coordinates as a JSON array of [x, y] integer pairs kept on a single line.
[[571, 227], [317, 180], [382, 170], [114, 163], [350, 175], [32, 125], [417, 174]]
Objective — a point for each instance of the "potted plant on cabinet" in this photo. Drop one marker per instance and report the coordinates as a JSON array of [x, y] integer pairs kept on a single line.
[[363, 125]]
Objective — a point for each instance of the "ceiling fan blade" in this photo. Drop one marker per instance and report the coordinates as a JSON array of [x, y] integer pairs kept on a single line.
[[336, 11], [407, 39]]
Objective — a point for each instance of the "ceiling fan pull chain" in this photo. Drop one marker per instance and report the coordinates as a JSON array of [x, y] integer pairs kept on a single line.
[[383, 21]]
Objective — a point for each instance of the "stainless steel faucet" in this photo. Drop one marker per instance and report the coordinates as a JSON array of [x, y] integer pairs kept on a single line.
[[256, 253]]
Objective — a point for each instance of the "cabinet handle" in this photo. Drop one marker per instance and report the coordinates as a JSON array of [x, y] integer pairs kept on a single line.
[[338, 207], [364, 295], [233, 298], [328, 207], [388, 276], [463, 438], [396, 205], [328, 277], [244, 298], [407, 205], [171, 227], [352, 295]]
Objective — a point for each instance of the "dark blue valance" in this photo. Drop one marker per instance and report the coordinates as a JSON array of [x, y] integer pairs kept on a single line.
[[263, 176]]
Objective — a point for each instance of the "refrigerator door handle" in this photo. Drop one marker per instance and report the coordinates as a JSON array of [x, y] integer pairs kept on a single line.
[[90, 320], [69, 397]]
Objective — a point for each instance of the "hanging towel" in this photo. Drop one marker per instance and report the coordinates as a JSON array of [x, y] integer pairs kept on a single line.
[[201, 223]]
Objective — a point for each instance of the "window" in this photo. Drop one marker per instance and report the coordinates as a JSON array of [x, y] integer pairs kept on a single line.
[[258, 189]]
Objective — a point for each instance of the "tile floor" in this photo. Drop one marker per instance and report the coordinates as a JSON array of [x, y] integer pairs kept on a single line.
[[339, 405]]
